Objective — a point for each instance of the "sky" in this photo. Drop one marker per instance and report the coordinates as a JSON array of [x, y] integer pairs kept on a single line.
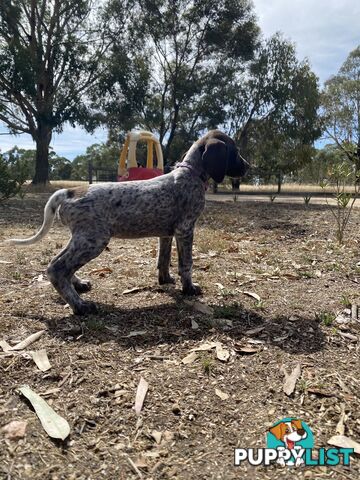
[[324, 32]]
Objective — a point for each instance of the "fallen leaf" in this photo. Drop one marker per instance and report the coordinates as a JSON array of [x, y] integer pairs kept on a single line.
[[54, 425], [247, 350], [194, 325], [349, 336], [156, 436], [135, 333], [321, 392], [290, 380], [204, 347], [190, 358], [253, 295], [254, 331], [340, 427], [344, 442], [222, 395], [41, 359], [220, 286], [28, 341], [200, 307], [222, 354], [141, 462], [5, 346], [100, 270], [132, 290], [15, 430], [140, 395]]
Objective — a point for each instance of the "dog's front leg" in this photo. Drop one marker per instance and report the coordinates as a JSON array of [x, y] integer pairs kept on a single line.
[[164, 258], [184, 242]]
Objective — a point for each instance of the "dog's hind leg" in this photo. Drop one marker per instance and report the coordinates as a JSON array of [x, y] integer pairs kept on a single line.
[[81, 286], [184, 242], [61, 271], [164, 258]]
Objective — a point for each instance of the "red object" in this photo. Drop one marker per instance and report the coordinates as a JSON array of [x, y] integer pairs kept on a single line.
[[139, 173]]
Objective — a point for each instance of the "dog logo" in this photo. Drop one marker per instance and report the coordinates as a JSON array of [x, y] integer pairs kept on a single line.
[[290, 434]]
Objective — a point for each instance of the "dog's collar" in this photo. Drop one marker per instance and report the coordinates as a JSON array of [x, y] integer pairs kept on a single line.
[[194, 171]]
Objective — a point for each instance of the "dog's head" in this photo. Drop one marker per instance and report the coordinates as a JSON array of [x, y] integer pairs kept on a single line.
[[220, 156], [289, 432]]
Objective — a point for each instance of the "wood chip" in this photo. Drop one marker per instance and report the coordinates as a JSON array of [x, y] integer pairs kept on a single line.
[[220, 394], [140, 395], [54, 425], [98, 271], [290, 380], [157, 436], [340, 427], [254, 331], [204, 347], [132, 290], [28, 341], [5, 346], [190, 358], [14, 430], [354, 312], [344, 442], [247, 350], [41, 359], [222, 354], [349, 336], [194, 325]]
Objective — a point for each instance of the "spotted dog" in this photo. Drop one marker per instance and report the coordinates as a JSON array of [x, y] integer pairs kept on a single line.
[[166, 207]]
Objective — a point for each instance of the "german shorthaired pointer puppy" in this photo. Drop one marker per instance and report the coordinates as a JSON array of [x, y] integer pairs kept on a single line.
[[164, 207]]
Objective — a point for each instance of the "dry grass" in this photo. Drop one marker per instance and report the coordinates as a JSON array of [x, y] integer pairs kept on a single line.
[[284, 253]]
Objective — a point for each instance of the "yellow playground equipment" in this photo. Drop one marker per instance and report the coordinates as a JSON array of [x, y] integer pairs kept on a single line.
[[129, 169]]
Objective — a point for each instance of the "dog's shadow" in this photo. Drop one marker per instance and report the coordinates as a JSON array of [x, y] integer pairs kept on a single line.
[[173, 323]]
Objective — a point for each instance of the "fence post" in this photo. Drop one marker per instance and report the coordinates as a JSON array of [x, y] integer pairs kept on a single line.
[[90, 165]]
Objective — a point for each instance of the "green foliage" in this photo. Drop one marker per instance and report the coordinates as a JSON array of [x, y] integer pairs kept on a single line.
[[11, 179], [273, 112], [190, 52], [101, 155], [341, 108], [340, 176], [51, 53]]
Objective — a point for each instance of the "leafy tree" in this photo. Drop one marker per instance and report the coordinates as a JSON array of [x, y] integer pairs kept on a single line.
[[21, 160], [60, 167], [191, 47], [11, 179], [101, 155], [341, 108], [273, 112], [50, 55]]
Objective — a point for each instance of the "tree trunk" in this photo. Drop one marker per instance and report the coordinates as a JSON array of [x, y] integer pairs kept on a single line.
[[279, 182], [42, 140]]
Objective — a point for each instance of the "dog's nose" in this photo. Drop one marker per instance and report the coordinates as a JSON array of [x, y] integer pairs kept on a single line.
[[301, 432]]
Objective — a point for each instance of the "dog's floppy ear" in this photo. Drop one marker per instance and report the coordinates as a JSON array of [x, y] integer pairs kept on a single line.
[[215, 159], [297, 423], [277, 431]]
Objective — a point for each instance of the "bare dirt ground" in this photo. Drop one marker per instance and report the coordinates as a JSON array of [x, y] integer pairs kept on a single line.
[[286, 254]]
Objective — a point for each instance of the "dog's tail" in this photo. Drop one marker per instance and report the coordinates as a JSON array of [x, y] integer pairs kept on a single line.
[[49, 214]]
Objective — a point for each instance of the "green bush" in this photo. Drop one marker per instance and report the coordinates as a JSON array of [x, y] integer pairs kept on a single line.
[[11, 179]]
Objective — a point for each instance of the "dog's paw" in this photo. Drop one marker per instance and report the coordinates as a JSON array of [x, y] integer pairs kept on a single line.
[[85, 308], [166, 279], [82, 286], [192, 290]]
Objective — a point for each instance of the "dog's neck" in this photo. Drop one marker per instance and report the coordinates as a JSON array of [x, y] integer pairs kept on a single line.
[[193, 162]]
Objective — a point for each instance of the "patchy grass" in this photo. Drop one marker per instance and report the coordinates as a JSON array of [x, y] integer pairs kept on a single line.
[[286, 254]]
